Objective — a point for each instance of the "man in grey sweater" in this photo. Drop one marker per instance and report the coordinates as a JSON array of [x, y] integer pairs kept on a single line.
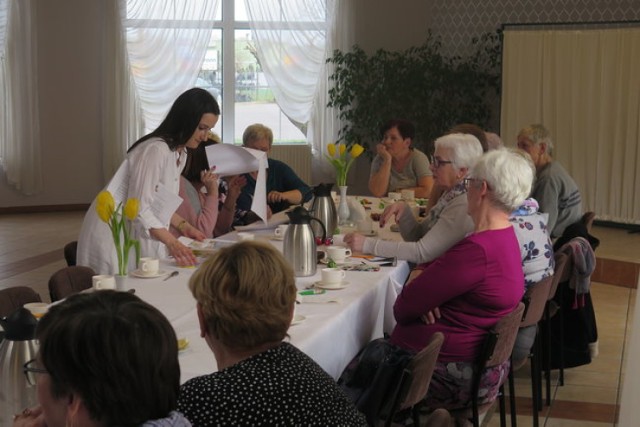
[[554, 189]]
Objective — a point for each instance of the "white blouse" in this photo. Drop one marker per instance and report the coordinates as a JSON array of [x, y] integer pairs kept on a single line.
[[150, 163]]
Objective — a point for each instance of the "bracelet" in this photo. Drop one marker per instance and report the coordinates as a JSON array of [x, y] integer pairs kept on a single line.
[[182, 224]]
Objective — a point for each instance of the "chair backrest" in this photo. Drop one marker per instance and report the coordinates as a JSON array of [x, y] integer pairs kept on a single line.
[[415, 379], [535, 299], [561, 271], [496, 349], [421, 368], [13, 298], [500, 339], [69, 280], [70, 251]]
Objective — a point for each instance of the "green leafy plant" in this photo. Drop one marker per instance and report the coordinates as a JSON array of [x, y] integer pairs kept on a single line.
[[419, 84]]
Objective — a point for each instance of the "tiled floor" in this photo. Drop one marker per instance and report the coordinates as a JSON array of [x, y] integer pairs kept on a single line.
[[31, 250]]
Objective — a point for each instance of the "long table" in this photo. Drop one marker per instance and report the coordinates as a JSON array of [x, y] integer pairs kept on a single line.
[[331, 333]]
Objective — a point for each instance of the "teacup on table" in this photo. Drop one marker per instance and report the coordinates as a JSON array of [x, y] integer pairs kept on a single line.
[[332, 277], [280, 230], [149, 266], [338, 253], [38, 309], [103, 281]]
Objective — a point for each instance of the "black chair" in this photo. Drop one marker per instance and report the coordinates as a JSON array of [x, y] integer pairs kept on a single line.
[[415, 380], [496, 350], [69, 281], [535, 300], [70, 252]]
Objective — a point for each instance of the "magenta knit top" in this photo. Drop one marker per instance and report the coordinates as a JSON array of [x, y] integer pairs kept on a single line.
[[475, 283]]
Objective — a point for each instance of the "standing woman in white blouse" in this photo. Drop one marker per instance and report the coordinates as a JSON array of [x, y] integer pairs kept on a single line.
[[156, 158]]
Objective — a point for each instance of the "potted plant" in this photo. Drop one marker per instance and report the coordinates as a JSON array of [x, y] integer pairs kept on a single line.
[[419, 84]]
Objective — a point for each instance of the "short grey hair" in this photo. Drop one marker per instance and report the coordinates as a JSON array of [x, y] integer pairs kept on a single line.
[[538, 134], [255, 132], [509, 174], [465, 149]]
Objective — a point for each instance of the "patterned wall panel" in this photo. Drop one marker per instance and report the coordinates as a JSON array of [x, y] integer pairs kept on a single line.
[[457, 21]]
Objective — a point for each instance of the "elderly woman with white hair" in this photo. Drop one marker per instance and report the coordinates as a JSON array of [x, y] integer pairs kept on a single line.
[[464, 292], [446, 223]]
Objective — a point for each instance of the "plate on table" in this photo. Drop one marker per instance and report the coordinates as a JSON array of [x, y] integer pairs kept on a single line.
[[142, 275], [298, 318], [347, 261], [332, 286], [371, 233], [278, 238]]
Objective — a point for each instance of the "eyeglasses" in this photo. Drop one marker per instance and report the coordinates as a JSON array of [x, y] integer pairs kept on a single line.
[[29, 369], [437, 162], [467, 182]]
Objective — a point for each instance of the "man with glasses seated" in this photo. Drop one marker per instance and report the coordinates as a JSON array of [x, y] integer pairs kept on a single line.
[[446, 223]]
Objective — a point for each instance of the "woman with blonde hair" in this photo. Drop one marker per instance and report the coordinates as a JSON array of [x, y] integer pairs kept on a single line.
[[245, 297]]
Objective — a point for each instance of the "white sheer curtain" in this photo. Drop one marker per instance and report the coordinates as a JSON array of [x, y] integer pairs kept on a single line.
[[293, 41], [165, 43], [584, 85], [20, 121]]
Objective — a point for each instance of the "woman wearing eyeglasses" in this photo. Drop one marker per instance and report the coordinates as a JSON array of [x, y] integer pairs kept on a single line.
[[105, 359], [397, 165], [446, 223], [464, 292]]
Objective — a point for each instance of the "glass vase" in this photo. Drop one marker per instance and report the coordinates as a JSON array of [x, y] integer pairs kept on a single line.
[[343, 207]]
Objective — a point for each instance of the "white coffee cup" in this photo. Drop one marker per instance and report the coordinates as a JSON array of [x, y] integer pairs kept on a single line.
[[243, 235], [408, 195], [338, 253], [149, 266], [394, 195], [103, 281], [38, 309], [280, 230], [332, 276]]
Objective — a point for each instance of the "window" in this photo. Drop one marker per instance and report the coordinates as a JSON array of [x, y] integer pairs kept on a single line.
[[231, 66], [173, 45]]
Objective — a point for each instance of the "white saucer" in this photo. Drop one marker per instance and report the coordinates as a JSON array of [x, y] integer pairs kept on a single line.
[[142, 275], [279, 238], [298, 318], [347, 261], [340, 285]]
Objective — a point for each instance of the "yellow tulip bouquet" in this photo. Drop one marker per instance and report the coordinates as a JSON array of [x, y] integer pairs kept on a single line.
[[119, 221], [342, 161]]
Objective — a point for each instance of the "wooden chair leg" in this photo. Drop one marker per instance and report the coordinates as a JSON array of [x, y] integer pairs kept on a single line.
[[512, 398]]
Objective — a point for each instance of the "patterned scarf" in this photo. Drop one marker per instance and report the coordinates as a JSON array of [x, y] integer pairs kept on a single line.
[[443, 202]]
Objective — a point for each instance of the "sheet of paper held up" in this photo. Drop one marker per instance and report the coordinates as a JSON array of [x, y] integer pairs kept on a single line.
[[231, 159]]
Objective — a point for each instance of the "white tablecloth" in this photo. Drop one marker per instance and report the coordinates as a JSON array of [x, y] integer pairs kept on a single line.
[[331, 334]]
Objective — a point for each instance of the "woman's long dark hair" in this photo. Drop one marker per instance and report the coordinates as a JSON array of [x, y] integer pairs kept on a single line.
[[183, 118]]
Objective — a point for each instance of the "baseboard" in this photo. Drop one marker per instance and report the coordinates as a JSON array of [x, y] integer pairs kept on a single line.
[[44, 208]]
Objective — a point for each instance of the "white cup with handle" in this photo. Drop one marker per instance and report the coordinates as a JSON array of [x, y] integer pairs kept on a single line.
[[149, 266], [103, 281], [338, 253], [280, 230], [332, 277]]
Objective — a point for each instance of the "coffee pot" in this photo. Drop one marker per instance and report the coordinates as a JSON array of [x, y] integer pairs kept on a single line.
[[299, 246], [324, 209], [17, 348]]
